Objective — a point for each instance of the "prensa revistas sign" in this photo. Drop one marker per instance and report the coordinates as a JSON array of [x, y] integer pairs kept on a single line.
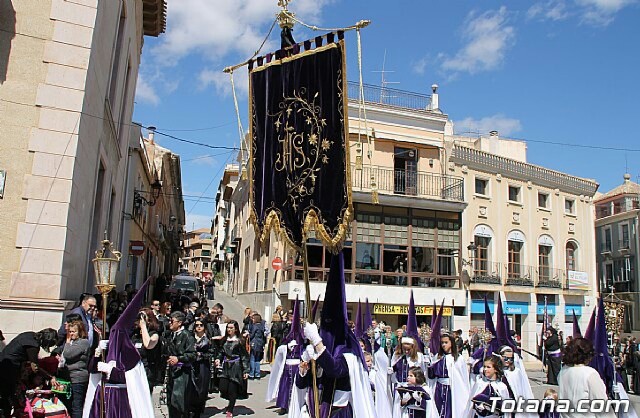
[[384, 309]]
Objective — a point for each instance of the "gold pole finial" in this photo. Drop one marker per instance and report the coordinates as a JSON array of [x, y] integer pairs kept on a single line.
[[285, 17]]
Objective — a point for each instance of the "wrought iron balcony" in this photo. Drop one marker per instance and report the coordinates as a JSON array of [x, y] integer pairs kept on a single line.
[[519, 274], [550, 277], [389, 97], [402, 182], [486, 272]]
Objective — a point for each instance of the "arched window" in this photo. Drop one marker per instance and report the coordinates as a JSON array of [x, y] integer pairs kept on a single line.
[[571, 251], [482, 236], [515, 255], [545, 257]]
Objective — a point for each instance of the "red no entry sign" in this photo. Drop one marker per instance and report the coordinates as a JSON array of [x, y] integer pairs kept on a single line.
[[277, 263], [136, 247]]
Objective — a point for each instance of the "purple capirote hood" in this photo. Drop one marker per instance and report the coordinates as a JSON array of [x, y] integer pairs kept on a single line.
[[121, 348], [412, 324], [334, 328], [295, 333]]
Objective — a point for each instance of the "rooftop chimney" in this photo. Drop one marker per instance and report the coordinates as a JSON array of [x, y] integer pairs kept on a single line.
[[493, 134], [627, 177], [152, 133], [435, 105]]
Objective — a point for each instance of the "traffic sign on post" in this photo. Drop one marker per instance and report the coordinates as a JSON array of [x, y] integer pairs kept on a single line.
[[136, 247], [277, 263]]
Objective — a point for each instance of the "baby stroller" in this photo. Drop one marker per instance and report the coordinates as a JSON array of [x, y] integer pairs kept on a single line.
[[44, 403]]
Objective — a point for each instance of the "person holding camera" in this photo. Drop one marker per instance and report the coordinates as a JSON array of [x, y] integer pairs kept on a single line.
[[146, 340]]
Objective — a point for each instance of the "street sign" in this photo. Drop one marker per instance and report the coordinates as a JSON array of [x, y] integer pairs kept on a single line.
[[136, 247], [277, 263]]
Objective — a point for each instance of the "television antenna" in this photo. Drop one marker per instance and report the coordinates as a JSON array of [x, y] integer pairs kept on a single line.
[[384, 95]]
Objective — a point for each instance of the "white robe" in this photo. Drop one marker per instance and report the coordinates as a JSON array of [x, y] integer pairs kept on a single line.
[[276, 373], [137, 392], [459, 382], [478, 387], [381, 380], [360, 397]]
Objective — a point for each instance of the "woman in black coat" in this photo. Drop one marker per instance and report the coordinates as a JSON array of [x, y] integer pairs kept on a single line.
[[234, 359], [201, 367], [24, 347]]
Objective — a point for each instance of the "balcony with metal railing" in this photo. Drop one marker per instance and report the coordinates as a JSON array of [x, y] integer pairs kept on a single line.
[[402, 182], [389, 97], [550, 277], [487, 272], [519, 274]]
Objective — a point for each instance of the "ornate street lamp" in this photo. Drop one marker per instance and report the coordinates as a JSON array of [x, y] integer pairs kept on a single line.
[[105, 266]]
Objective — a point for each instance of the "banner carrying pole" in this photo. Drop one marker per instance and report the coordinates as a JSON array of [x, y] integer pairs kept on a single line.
[[307, 302]]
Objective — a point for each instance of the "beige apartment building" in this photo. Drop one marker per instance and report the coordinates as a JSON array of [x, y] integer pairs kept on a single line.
[[68, 74], [528, 236], [197, 246], [457, 219], [154, 211]]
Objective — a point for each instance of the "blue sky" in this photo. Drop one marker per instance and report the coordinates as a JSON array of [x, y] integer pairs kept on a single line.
[[564, 71]]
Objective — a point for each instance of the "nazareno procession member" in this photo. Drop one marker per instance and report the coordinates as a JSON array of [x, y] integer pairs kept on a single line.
[[378, 370], [408, 354], [180, 354], [126, 392], [516, 376], [491, 385], [553, 354], [285, 364], [234, 359], [601, 361], [341, 366], [448, 374], [415, 397], [201, 367]]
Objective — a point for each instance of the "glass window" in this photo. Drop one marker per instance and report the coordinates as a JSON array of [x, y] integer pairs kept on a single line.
[[481, 186], [347, 258], [624, 235], [514, 193], [544, 261], [394, 259], [515, 259], [367, 256], [314, 255], [569, 206], [543, 200], [607, 239], [571, 256], [447, 262], [422, 260], [481, 261]]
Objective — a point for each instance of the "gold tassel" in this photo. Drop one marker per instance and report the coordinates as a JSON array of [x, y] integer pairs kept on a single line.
[[359, 157], [374, 191], [244, 172]]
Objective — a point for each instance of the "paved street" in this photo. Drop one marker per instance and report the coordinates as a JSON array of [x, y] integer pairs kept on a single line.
[[255, 405]]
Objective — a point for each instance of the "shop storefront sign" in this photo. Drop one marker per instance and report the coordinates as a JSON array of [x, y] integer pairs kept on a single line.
[[569, 309], [516, 308], [384, 309]]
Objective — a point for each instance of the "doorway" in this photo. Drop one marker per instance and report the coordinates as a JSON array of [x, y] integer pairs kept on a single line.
[[405, 164]]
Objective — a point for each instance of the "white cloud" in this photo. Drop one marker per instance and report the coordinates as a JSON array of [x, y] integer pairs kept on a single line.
[[207, 160], [197, 221], [498, 122], [487, 36], [222, 82], [590, 12], [145, 91], [420, 66], [601, 12], [231, 27], [550, 10]]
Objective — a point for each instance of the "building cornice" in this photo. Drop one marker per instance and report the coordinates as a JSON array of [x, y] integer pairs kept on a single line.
[[552, 179], [35, 304]]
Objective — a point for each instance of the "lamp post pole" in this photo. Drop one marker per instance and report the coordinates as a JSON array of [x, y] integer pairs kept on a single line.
[[106, 266]]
